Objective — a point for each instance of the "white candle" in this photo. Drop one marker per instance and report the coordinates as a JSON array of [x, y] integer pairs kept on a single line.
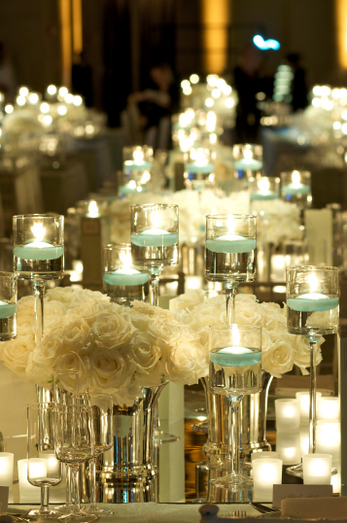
[[265, 454], [328, 408], [266, 474], [328, 438], [287, 414], [288, 445], [6, 472], [304, 398], [29, 493], [317, 469]]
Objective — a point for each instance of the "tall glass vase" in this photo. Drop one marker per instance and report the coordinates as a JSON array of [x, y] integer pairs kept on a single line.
[[127, 473], [253, 411]]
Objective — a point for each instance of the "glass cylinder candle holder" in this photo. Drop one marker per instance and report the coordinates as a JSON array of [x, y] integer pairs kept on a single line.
[[317, 469], [288, 445], [328, 436], [304, 399], [138, 163], [266, 474], [285, 254], [296, 188], [199, 168], [122, 281], [27, 493], [264, 188], [8, 306], [6, 472], [287, 414], [38, 246], [247, 160], [328, 408]]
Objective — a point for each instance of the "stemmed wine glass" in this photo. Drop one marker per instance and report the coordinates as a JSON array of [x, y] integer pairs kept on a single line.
[[43, 469], [65, 391], [230, 243], [102, 409], [235, 370], [313, 311], [154, 240], [74, 444], [38, 255]]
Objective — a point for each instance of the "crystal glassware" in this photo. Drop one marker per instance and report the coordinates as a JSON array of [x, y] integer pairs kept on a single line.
[[74, 445], [43, 469], [247, 160], [137, 167], [313, 311], [38, 255], [122, 281], [230, 243], [235, 370], [296, 188], [102, 409], [8, 306], [154, 240], [199, 168]]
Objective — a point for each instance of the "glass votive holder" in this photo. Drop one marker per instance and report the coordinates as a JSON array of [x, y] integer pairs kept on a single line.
[[199, 168], [265, 454], [264, 188], [304, 440], [122, 281], [317, 469], [328, 438], [138, 163], [28, 493], [296, 188], [328, 408], [6, 472], [266, 474], [304, 398], [287, 414], [38, 246], [288, 445], [8, 306], [247, 159], [285, 254]]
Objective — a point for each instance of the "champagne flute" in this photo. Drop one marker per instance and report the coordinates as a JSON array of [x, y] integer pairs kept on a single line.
[[102, 408], [229, 245], [74, 444], [313, 311], [235, 370], [154, 240], [43, 469]]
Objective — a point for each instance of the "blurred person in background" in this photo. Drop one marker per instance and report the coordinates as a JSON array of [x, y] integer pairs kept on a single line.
[[7, 76]]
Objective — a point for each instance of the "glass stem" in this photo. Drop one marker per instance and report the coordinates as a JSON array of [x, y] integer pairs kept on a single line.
[[44, 509], [68, 485], [76, 490], [39, 293], [154, 288], [234, 434], [313, 390], [92, 469], [230, 291]]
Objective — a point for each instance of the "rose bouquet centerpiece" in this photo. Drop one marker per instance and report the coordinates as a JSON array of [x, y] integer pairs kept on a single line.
[[116, 349]]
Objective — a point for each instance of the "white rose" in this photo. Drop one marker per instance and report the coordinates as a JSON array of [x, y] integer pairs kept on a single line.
[[279, 358], [53, 310], [328, 318], [112, 330], [62, 294], [90, 310], [73, 361], [86, 295], [42, 359], [111, 369], [146, 357], [76, 333], [247, 313], [185, 363], [138, 319], [26, 311], [302, 355], [188, 300], [149, 310], [166, 331], [15, 353]]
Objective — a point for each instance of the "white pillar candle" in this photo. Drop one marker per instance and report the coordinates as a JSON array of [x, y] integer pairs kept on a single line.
[[266, 474], [288, 445], [265, 455], [328, 438], [287, 414], [317, 469], [6, 472], [38, 468], [328, 408], [304, 398]]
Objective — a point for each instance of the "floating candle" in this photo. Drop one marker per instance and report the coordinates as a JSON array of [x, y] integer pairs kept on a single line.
[[295, 189], [312, 302], [37, 250], [7, 309], [231, 243], [126, 276], [130, 165], [235, 357], [196, 168], [269, 195], [154, 238], [248, 165]]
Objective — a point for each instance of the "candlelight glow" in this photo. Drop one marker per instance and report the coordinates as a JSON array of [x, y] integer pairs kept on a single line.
[[138, 156], [155, 219], [126, 259], [38, 231], [236, 337], [296, 178], [313, 282], [248, 155], [211, 120], [23, 91], [93, 209], [231, 224]]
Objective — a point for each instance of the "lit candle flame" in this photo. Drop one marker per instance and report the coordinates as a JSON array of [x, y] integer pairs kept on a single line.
[[264, 185], [200, 157], [126, 259], [313, 282], [155, 218], [93, 209], [236, 335], [138, 156], [248, 155], [38, 231], [231, 224], [296, 178]]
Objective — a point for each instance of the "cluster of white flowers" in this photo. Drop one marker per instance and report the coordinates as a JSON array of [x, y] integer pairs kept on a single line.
[[280, 349], [277, 221], [115, 349]]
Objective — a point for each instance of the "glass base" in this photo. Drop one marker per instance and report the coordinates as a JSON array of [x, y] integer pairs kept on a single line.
[[160, 437], [79, 516], [67, 508], [98, 511], [234, 482], [202, 426], [44, 514]]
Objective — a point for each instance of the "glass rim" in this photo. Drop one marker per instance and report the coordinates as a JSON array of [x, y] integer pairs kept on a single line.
[[312, 268], [225, 216], [304, 171], [268, 460], [110, 246], [320, 455], [153, 205], [41, 405], [239, 326], [42, 216]]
